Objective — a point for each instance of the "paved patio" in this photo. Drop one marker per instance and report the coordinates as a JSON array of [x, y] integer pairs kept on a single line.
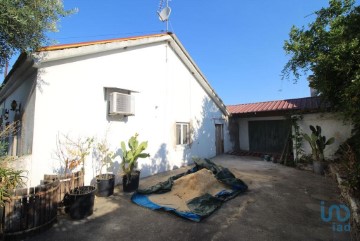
[[282, 204]]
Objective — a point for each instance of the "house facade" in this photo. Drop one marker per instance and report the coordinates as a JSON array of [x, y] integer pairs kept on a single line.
[[265, 127], [113, 89]]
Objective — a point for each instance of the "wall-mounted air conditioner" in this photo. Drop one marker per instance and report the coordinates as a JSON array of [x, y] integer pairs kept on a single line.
[[121, 104]]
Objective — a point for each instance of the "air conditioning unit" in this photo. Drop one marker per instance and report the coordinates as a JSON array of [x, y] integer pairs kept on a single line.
[[121, 104]]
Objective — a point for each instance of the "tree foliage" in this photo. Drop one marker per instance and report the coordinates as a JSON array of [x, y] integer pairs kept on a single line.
[[24, 24], [329, 49]]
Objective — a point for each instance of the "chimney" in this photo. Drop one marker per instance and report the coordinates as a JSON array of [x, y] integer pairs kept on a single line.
[[313, 92]]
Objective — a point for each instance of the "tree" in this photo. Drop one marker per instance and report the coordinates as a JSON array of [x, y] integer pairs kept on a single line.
[[24, 24], [330, 50]]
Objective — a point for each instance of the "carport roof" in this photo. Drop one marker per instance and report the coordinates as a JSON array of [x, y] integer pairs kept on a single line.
[[300, 104]]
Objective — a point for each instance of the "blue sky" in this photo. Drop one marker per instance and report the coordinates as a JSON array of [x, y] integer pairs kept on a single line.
[[236, 43]]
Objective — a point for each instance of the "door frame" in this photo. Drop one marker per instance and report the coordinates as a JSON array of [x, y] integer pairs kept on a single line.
[[219, 139]]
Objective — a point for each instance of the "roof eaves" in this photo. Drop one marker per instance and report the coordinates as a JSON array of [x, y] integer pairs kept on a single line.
[[78, 50], [300, 104], [82, 44]]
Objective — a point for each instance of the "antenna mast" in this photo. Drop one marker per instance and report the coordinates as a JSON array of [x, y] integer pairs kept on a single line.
[[164, 13]]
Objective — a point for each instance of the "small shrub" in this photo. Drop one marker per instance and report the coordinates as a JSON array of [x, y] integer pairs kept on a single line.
[[350, 164], [131, 155], [317, 142], [10, 178], [72, 153]]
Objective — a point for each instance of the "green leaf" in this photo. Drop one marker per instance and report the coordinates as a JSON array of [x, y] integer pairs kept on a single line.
[[26, 25], [123, 147], [330, 141], [312, 128], [314, 137], [307, 137], [143, 155]]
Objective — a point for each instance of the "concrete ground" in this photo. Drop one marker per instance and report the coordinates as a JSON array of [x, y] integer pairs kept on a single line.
[[282, 204]]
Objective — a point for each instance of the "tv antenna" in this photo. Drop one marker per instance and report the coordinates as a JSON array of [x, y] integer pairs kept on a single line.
[[164, 12]]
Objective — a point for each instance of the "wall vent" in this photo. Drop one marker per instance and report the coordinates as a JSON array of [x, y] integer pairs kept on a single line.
[[121, 104]]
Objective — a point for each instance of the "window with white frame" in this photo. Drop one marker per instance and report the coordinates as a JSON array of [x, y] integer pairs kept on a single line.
[[182, 133]]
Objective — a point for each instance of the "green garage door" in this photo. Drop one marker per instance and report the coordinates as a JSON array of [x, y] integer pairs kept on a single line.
[[268, 136]]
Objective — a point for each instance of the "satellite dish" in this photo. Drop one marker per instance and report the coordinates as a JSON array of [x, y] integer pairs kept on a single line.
[[164, 14]]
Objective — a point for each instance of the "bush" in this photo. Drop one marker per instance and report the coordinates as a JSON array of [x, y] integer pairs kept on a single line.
[[350, 164], [10, 178]]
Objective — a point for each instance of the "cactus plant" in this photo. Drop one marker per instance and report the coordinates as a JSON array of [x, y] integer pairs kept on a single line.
[[318, 142]]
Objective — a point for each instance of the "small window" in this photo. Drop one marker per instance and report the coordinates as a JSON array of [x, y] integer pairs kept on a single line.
[[182, 134]]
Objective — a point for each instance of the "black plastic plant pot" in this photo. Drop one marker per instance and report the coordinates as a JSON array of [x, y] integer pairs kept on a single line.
[[105, 185], [132, 184], [319, 167], [79, 203]]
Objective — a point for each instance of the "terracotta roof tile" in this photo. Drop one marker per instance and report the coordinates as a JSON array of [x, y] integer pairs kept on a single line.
[[81, 44], [307, 103]]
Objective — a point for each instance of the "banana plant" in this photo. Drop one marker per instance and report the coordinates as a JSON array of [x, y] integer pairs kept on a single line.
[[318, 142], [131, 155]]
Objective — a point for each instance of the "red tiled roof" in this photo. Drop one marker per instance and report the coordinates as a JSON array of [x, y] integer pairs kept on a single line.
[[81, 44], [307, 103]]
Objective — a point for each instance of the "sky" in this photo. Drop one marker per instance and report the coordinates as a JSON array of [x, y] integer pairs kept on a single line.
[[237, 44]]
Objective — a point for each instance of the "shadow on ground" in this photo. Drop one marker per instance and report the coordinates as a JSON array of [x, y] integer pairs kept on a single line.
[[282, 204]]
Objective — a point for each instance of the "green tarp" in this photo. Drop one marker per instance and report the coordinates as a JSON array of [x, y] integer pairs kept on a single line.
[[201, 206]]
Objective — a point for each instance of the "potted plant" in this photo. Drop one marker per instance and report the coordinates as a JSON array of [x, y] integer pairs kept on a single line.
[[105, 182], [79, 202], [129, 162], [318, 144]]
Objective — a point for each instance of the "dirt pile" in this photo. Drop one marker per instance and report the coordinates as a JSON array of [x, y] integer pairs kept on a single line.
[[188, 187]]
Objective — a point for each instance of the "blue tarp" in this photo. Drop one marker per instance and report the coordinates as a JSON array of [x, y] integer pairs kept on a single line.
[[200, 207]]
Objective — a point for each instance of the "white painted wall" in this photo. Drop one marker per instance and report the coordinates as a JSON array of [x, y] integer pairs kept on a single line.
[[22, 91], [71, 101], [331, 125]]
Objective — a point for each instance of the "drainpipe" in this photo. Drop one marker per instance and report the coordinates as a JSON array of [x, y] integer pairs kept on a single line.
[[6, 69]]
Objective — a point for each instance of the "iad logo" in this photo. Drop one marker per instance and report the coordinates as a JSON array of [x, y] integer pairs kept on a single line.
[[342, 224]]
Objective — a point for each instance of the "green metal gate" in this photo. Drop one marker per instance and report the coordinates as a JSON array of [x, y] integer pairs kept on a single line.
[[268, 136]]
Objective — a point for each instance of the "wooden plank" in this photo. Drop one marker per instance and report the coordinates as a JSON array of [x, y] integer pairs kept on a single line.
[[2, 222], [22, 196], [15, 213], [61, 190], [81, 179], [73, 181], [42, 205], [55, 200], [51, 177], [37, 205], [56, 194], [31, 208], [65, 188], [7, 219], [48, 190]]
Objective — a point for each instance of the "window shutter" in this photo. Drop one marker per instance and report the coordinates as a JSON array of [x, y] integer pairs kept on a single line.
[[190, 133]]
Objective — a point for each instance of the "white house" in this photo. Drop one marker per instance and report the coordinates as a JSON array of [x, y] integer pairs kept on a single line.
[[264, 127], [147, 85]]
